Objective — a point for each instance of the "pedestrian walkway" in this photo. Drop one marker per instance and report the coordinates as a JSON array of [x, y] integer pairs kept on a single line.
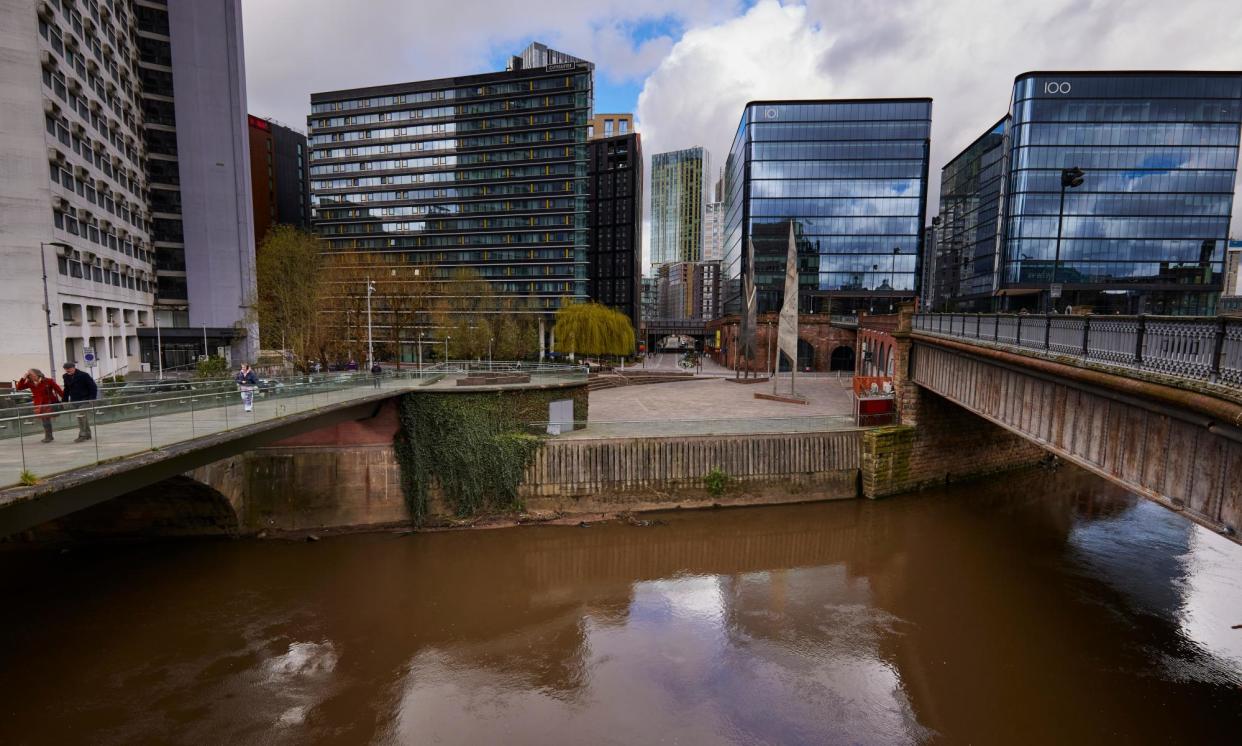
[[122, 430]]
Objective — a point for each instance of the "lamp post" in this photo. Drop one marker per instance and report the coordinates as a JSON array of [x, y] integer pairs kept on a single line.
[[370, 347], [771, 368], [47, 303], [447, 337], [893, 268], [1070, 178], [420, 351], [159, 344], [489, 352]]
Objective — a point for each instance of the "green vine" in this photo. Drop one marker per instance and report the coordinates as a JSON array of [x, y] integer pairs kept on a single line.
[[471, 445]]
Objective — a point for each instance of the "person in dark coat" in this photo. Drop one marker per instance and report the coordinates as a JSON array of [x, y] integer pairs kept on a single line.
[[247, 381], [376, 372], [46, 393], [80, 391]]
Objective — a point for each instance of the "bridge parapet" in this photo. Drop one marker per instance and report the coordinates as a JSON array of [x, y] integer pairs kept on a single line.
[[1196, 349]]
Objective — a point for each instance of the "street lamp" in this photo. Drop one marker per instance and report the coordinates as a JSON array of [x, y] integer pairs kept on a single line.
[[420, 351], [893, 272], [47, 304], [1070, 178], [771, 368], [370, 347], [447, 337], [489, 352]]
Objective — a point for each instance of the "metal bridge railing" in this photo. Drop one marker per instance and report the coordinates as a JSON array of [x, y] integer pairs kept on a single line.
[[131, 426], [1194, 347]]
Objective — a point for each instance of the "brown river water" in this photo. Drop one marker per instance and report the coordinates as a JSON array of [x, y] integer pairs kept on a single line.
[[1042, 608]]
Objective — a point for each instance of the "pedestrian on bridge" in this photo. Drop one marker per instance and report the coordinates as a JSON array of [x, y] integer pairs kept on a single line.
[[247, 381], [376, 372], [46, 393], [80, 391]]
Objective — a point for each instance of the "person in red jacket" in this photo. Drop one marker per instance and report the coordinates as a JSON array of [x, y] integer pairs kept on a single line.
[[47, 393]]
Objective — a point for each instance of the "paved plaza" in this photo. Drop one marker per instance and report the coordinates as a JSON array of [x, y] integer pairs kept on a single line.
[[715, 406]]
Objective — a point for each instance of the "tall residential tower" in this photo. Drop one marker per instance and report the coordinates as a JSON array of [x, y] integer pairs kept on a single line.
[[678, 195]]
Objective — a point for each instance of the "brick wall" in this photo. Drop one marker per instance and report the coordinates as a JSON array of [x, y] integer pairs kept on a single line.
[[949, 444], [937, 441]]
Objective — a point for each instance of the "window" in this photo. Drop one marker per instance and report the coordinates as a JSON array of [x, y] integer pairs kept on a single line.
[[625, 126]]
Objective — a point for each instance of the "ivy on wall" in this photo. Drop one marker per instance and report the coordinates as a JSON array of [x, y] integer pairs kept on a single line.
[[475, 446]]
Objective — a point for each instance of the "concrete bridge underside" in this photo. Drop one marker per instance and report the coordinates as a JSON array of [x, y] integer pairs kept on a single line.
[[1176, 446]]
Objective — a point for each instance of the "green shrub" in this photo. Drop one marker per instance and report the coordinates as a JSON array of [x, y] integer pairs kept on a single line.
[[716, 481], [28, 478], [212, 367]]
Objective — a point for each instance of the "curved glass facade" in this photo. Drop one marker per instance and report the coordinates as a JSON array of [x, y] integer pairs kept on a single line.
[[850, 177], [1146, 231], [965, 251]]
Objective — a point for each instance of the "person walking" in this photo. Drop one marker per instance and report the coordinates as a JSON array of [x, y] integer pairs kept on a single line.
[[247, 381], [376, 372], [46, 393], [80, 391]]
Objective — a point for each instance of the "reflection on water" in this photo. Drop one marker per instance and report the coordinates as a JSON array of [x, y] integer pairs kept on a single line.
[[1042, 608]]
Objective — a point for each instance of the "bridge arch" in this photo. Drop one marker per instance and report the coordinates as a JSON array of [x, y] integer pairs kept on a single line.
[[177, 506]]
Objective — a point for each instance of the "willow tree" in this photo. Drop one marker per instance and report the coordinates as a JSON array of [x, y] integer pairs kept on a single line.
[[593, 329]]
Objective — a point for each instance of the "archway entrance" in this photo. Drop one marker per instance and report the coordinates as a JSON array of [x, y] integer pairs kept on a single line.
[[842, 359], [806, 357]]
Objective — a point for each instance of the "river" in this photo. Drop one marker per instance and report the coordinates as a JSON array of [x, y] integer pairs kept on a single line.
[[1037, 608]]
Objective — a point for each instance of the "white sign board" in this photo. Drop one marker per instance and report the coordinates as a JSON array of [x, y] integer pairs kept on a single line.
[[1056, 290], [88, 355], [560, 416]]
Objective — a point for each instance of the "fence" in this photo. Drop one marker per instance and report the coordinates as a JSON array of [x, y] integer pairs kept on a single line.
[[1200, 348]]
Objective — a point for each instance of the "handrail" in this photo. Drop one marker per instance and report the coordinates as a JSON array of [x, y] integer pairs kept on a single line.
[[1202, 348]]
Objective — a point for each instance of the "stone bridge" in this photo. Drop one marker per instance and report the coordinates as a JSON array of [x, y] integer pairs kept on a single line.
[[175, 458], [1151, 404]]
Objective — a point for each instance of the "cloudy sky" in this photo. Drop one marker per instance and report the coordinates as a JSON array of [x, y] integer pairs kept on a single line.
[[686, 67]]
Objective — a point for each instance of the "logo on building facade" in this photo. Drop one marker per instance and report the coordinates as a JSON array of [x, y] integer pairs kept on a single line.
[[771, 113], [1053, 86]]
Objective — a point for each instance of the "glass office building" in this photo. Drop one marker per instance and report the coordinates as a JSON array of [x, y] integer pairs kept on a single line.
[[964, 252], [850, 177], [483, 172], [678, 184], [1147, 229]]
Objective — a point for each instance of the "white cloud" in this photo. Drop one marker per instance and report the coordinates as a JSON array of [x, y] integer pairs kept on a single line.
[[295, 47]]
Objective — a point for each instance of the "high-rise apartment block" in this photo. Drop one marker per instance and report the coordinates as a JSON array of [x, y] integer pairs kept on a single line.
[[615, 208], [194, 110], [610, 125], [98, 174], [688, 290], [482, 173], [713, 232], [1144, 231], [678, 195], [279, 177], [73, 196], [848, 178]]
